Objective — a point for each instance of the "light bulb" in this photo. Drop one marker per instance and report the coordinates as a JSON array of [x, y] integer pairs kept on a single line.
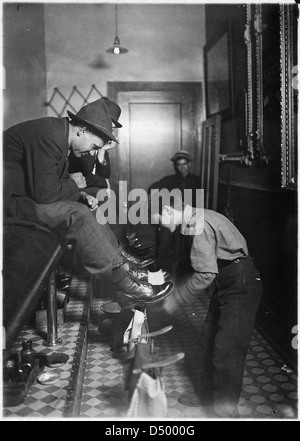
[[116, 50]]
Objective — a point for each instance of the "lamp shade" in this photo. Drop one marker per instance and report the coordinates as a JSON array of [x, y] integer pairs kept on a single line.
[[117, 48]]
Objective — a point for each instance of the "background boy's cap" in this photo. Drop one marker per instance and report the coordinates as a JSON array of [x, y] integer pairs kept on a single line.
[[182, 154], [95, 116]]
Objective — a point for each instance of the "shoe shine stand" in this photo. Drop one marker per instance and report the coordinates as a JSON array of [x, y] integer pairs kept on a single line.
[[139, 344], [146, 390], [154, 365], [52, 334]]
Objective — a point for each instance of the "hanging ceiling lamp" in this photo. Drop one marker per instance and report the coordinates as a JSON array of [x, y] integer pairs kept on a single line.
[[117, 48]]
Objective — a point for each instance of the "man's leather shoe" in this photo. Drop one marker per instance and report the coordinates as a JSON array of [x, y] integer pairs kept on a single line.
[[140, 252], [63, 278], [141, 276], [128, 289], [133, 240], [61, 286], [63, 281], [138, 262], [135, 243], [139, 293]]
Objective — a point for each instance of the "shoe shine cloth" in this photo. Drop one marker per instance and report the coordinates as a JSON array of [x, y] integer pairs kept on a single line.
[[135, 329], [156, 278], [149, 399]]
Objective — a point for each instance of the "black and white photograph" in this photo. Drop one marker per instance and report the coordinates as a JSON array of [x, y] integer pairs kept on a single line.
[[149, 213]]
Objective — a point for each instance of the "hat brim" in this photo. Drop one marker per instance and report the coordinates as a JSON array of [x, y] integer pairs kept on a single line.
[[96, 127], [116, 123], [181, 157]]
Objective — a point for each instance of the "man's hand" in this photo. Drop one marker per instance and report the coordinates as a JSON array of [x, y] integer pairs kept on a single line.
[[101, 152], [109, 145], [79, 179], [89, 200], [100, 155]]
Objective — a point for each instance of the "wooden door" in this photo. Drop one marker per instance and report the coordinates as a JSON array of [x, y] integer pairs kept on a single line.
[[157, 121]]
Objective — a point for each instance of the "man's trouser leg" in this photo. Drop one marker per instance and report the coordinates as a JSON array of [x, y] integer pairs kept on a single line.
[[103, 215], [96, 246], [165, 252]]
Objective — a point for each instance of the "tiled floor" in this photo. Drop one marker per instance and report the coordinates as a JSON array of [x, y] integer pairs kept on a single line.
[[269, 389], [49, 401]]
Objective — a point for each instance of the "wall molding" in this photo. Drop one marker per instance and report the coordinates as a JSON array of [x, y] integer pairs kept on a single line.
[[249, 186]]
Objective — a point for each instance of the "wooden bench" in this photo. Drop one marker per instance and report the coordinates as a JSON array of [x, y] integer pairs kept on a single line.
[[30, 258]]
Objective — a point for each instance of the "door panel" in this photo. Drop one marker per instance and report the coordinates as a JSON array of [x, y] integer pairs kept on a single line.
[[156, 124], [151, 144]]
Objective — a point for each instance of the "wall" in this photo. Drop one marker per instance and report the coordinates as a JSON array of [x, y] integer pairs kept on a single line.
[[71, 40], [24, 62], [165, 43], [264, 213]]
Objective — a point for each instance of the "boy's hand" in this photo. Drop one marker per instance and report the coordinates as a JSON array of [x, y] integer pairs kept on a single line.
[[171, 304]]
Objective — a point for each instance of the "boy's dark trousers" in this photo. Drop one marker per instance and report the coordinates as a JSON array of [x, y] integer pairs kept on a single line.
[[227, 333]]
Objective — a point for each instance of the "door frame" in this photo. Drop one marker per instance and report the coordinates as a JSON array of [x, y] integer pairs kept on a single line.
[[196, 88], [211, 136]]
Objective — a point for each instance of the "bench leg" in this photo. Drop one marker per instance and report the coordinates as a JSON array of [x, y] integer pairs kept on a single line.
[[52, 334]]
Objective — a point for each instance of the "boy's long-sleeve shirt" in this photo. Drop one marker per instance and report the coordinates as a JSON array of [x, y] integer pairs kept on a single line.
[[214, 238]]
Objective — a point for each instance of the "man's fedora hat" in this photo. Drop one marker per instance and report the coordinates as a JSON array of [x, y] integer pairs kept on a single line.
[[114, 111], [94, 115], [182, 154]]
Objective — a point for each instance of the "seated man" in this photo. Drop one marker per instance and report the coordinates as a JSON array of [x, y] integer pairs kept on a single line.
[[39, 191], [168, 245], [218, 257], [95, 168]]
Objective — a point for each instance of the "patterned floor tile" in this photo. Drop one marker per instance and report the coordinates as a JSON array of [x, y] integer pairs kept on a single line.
[[269, 386], [269, 392], [48, 401]]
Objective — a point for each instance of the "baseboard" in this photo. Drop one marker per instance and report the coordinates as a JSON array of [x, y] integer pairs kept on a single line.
[[74, 391]]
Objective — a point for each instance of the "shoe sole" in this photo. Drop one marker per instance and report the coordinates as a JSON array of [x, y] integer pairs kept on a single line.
[[111, 308], [144, 265]]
